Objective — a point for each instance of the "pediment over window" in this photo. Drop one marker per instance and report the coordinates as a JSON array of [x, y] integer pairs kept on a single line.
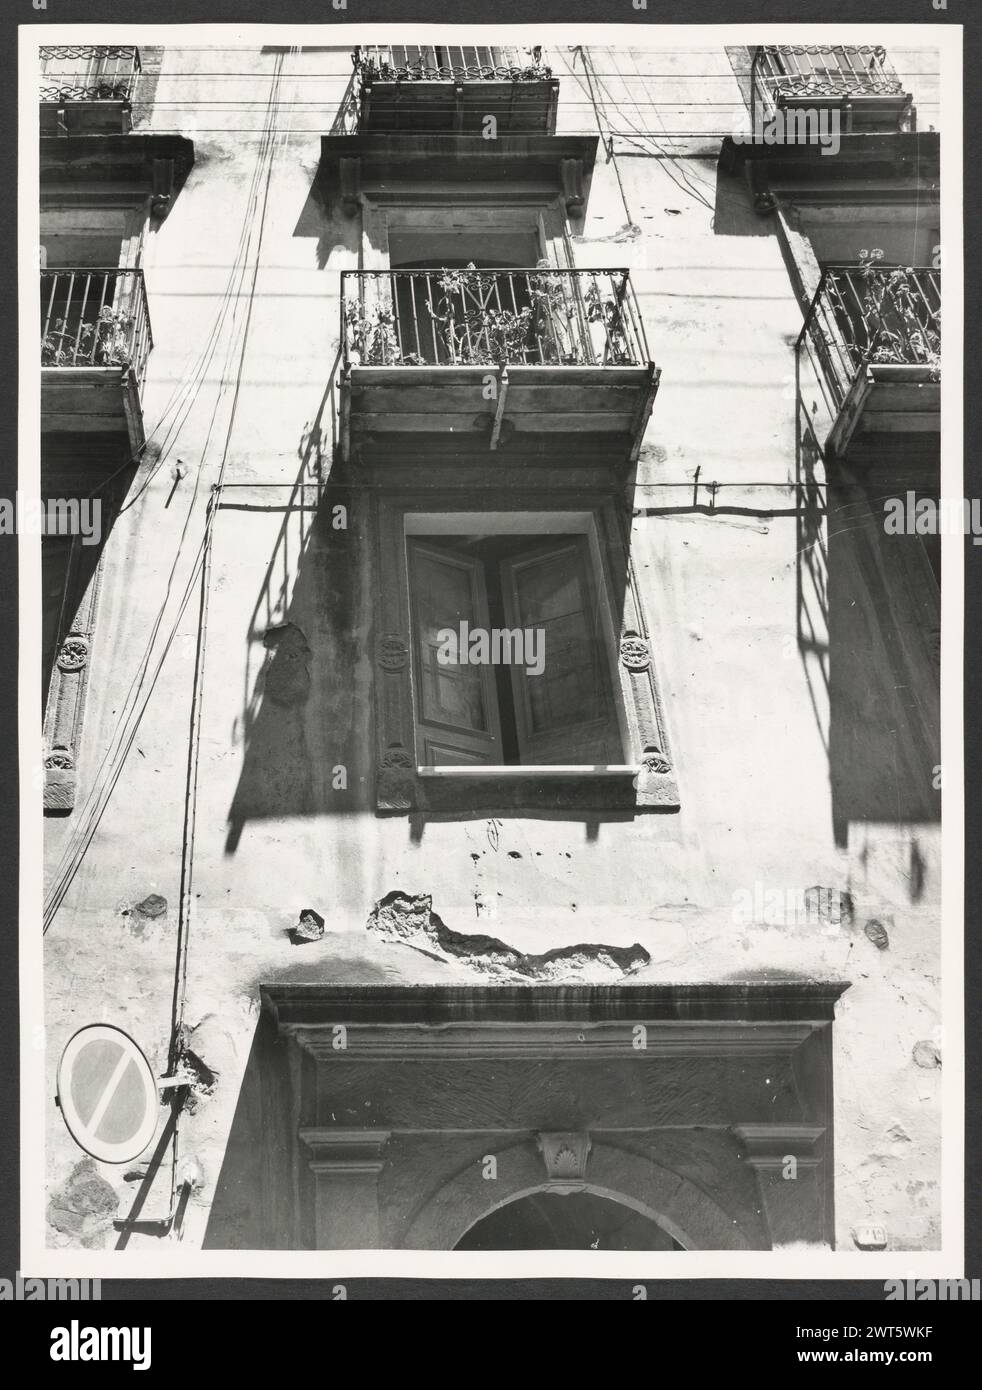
[[151, 165], [351, 165]]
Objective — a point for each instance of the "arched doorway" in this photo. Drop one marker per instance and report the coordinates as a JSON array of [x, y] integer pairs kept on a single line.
[[574, 1221]]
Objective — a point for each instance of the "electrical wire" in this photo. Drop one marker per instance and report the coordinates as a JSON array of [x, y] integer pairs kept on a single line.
[[136, 700]]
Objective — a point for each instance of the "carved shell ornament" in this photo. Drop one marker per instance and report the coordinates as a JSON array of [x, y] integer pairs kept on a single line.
[[566, 1163], [635, 653]]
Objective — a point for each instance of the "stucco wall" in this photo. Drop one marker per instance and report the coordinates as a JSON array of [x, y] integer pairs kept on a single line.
[[746, 706]]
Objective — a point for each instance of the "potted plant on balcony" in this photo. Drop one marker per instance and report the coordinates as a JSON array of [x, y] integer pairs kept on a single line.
[[902, 329], [105, 343], [372, 337]]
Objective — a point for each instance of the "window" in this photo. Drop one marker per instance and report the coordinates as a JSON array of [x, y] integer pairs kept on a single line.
[[511, 665]]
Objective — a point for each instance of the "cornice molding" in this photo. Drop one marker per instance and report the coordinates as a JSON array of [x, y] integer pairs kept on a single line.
[[345, 1152], [576, 1022], [767, 1146]]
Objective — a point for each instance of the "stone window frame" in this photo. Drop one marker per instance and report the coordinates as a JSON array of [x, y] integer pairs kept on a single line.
[[64, 711], [646, 781]]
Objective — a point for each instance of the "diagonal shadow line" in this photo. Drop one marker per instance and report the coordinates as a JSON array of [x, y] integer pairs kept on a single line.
[[127, 1225]]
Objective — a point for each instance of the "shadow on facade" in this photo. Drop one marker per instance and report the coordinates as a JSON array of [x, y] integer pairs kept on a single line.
[[307, 710], [868, 633], [306, 725], [300, 718], [333, 235]]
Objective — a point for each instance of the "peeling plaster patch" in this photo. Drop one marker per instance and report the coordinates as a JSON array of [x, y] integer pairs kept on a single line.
[[877, 933], [145, 917], [198, 1077], [829, 906], [85, 1207], [926, 1055], [411, 920]]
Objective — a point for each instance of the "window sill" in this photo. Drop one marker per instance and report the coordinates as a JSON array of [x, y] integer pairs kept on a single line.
[[507, 771], [622, 790]]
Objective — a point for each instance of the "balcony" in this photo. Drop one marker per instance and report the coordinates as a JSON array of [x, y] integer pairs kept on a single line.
[[540, 358], [452, 91], [95, 341], [87, 89], [857, 80], [872, 336]]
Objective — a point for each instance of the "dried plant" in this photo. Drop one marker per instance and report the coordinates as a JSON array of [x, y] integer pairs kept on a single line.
[[901, 326]]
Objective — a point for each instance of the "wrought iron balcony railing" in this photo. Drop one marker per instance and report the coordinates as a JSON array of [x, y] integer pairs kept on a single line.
[[391, 63], [89, 72], [874, 315], [471, 317], [95, 318], [795, 74]]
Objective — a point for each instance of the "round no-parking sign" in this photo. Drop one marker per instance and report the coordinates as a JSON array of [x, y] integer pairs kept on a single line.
[[107, 1094]]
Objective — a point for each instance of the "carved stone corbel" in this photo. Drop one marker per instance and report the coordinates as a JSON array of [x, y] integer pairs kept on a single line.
[[571, 178], [163, 187], [565, 1157], [787, 1159], [349, 173], [346, 1164]]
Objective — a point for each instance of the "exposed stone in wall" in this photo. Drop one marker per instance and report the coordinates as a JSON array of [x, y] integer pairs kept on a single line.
[[200, 1078], [877, 933], [84, 1207], [410, 919], [829, 906], [926, 1055], [870, 1237], [309, 928]]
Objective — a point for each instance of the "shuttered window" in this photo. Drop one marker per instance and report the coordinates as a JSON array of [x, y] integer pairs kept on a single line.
[[539, 691]]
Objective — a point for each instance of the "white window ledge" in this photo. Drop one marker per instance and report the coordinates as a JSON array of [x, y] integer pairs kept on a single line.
[[532, 770]]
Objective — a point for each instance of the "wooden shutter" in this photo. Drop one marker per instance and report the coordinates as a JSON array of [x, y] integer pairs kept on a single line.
[[566, 715], [456, 707]]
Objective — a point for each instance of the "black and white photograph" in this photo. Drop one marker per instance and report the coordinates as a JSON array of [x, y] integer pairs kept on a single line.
[[488, 498]]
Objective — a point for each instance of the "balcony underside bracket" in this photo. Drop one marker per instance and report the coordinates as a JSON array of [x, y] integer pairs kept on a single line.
[[850, 414], [644, 413], [499, 413]]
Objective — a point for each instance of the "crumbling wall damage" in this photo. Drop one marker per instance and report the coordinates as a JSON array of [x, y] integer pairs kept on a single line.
[[410, 919]]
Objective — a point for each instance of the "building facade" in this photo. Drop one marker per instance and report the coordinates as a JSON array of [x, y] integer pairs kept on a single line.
[[614, 921]]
